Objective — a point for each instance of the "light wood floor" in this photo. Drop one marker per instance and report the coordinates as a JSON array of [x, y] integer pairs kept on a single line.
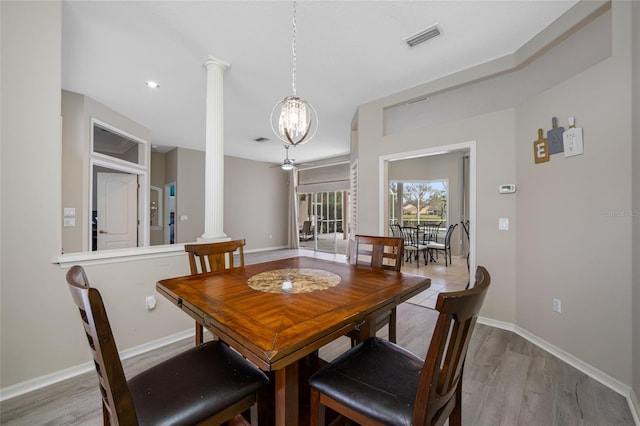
[[507, 380]]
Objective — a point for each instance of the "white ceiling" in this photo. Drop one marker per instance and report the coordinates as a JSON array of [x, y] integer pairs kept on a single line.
[[348, 53]]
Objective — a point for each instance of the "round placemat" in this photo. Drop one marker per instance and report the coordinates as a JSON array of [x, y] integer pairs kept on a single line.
[[293, 280]]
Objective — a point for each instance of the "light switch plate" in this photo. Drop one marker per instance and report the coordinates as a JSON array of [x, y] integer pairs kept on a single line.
[[503, 224], [572, 139], [70, 212], [69, 221], [508, 188]]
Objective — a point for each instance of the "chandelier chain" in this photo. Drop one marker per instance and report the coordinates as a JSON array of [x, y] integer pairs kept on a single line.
[[293, 49], [294, 120]]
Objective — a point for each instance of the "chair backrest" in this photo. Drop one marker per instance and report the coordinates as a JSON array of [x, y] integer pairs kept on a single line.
[[429, 231], [466, 225], [409, 234], [447, 238], [210, 257], [378, 252], [443, 365], [117, 404], [395, 230]]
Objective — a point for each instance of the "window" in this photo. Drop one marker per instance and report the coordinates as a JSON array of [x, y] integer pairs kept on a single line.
[[112, 143], [411, 203]]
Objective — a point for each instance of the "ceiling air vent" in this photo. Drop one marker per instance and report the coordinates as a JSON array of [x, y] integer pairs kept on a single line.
[[422, 36]]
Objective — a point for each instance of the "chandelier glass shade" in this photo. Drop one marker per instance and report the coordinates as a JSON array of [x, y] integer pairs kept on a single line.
[[294, 120]]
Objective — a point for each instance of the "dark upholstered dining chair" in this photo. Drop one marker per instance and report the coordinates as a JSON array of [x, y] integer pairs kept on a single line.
[[380, 383], [382, 253], [210, 383], [210, 257]]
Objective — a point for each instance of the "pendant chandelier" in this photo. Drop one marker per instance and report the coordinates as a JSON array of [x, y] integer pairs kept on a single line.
[[294, 120]]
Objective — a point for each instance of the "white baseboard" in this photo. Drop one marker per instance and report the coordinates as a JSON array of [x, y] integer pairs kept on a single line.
[[59, 376], [266, 249], [596, 374]]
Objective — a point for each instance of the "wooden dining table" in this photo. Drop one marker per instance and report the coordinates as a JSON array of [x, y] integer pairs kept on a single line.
[[280, 312]]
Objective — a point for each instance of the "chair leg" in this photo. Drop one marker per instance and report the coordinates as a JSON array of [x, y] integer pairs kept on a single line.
[[261, 409], [316, 415], [106, 416], [392, 326], [455, 418], [199, 334], [254, 414]]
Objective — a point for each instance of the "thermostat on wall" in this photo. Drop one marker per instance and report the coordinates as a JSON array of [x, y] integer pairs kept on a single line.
[[507, 189]]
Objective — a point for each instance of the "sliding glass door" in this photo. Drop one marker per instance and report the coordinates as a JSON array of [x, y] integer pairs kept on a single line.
[[323, 222]]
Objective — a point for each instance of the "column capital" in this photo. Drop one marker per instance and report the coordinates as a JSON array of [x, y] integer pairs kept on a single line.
[[212, 60]]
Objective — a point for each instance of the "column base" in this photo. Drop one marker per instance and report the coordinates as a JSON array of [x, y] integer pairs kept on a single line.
[[207, 239]]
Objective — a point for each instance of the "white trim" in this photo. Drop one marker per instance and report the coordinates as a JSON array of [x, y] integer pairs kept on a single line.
[[144, 160], [59, 376], [596, 374], [285, 247], [118, 255], [334, 186], [135, 253]]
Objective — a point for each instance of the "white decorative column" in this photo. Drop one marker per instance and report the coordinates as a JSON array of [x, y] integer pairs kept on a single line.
[[214, 154]]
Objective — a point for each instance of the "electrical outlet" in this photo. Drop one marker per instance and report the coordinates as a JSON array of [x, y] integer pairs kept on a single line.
[[557, 305]]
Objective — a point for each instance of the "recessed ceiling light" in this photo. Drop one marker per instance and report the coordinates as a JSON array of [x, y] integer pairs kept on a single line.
[[152, 84]]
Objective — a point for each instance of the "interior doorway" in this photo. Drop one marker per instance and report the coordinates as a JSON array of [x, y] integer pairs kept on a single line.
[[115, 205], [170, 213], [467, 151], [116, 211]]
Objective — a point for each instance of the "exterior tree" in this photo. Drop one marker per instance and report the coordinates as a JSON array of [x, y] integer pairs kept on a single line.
[[416, 194]]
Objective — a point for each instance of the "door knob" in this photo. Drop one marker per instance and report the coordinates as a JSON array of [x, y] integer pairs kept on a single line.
[[102, 231]]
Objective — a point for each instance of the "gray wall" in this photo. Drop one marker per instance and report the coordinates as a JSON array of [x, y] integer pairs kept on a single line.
[[189, 195], [255, 205], [31, 195], [41, 334], [560, 223], [568, 208]]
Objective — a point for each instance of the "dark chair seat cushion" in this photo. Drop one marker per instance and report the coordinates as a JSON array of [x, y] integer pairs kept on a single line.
[[376, 378], [212, 374]]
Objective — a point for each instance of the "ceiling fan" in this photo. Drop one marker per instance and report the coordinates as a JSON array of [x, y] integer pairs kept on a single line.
[[288, 163]]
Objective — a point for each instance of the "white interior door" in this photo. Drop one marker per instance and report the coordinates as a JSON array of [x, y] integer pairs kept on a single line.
[[117, 205]]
